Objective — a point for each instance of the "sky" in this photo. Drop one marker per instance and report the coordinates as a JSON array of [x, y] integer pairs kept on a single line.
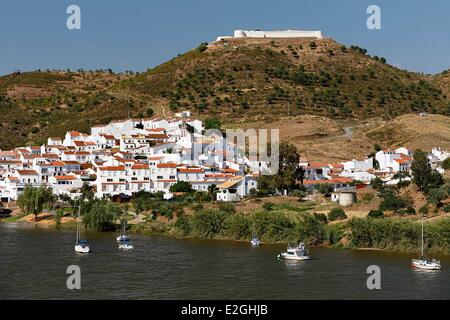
[[140, 34]]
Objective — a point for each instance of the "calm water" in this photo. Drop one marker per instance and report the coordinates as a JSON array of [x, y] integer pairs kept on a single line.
[[33, 265]]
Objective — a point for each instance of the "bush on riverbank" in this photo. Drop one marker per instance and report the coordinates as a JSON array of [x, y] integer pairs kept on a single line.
[[399, 235], [270, 226]]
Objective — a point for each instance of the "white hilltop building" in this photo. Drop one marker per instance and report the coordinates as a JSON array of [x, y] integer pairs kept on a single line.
[[273, 34]]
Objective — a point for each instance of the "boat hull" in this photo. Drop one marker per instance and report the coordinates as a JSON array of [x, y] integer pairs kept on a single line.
[[123, 238], [291, 257], [82, 249], [425, 265]]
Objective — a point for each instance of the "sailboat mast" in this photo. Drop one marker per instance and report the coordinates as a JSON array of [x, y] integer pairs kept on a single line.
[[422, 236], [78, 226]]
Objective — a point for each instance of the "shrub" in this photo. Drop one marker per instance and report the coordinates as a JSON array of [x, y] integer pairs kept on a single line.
[[268, 206], [377, 183], [321, 217], [150, 112], [337, 214], [375, 214], [423, 210], [446, 163], [181, 186], [447, 208], [202, 47], [392, 201]]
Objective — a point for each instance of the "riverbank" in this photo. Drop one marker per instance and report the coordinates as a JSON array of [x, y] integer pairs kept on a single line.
[[280, 227]]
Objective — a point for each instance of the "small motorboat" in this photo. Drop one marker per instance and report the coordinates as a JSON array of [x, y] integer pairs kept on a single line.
[[425, 264], [126, 245], [299, 252], [255, 241]]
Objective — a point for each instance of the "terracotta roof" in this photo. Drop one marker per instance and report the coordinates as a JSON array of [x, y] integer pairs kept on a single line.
[[402, 161], [140, 167], [65, 177], [340, 180], [58, 163], [317, 165], [112, 168], [50, 155], [27, 172], [190, 170], [166, 165]]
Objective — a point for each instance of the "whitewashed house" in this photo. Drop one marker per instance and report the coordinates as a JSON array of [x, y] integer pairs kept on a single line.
[[236, 188]]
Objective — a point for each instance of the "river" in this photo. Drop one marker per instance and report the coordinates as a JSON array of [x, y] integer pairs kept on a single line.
[[33, 265]]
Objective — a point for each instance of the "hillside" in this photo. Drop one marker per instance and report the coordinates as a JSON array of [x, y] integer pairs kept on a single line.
[[36, 105], [240, 81], [250, 79], [324, 139]]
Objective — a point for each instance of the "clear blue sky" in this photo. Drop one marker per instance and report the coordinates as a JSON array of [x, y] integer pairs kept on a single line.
[[138, 34]]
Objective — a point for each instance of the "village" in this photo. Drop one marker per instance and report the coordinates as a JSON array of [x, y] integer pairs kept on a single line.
[[153, 154]]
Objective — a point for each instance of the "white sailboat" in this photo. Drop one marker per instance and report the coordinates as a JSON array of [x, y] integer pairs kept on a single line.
[[123, 239], [123, 236], [81, 245], [423, 263], [255, 241]]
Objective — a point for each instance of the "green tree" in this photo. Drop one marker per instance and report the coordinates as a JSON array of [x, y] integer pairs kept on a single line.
[[100, 215], [212, 123], [33, 200], [203, 46], [337, 214], [423, 176], [150, 112], [181, 186], [87, 192], [375, 214], [446, 164], [212, 192], [376, 183], [324, 188]]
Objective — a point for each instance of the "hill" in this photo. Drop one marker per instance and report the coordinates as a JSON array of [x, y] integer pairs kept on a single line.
[[250, 79], [323, 139], [240, 81], [36, 105]]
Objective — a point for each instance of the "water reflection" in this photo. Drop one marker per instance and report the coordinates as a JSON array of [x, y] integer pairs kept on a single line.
[[36, 260]]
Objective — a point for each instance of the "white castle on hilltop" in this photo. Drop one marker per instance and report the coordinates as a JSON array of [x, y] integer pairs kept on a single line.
[[273, 34]]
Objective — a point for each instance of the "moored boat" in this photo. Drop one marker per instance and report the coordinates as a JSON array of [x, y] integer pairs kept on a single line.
[[299, 252], [423, 263], [81, 245], [255, 241]]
